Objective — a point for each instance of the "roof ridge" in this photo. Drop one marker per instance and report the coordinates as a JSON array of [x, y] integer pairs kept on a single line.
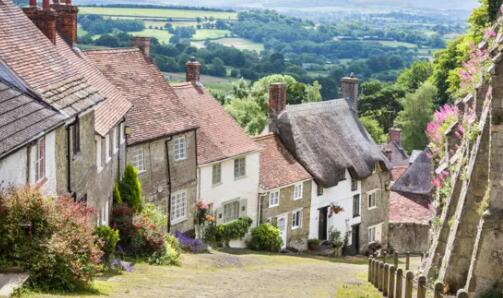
[[264, 136], [112, 50]]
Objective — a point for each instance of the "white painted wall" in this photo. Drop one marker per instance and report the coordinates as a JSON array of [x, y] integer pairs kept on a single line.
[[13, 167], [230, 189], [341, 195]]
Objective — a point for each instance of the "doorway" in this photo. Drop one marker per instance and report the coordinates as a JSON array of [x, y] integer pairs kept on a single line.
[[355, 238], [283, 228], [322, 223]]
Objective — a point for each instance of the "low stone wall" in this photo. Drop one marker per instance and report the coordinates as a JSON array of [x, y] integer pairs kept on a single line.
[[409, 237]]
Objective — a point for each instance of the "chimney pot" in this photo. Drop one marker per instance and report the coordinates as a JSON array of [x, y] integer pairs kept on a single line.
[[46, 5], [143, 43], [349, 88], [395, 135], [193, 70], [33, 3]]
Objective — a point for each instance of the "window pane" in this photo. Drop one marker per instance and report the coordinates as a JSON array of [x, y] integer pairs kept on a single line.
[[217, 173], [239, 167], [180, 149]]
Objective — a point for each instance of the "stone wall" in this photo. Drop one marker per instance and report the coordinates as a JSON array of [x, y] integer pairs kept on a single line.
[[156, 177], [287, 205], [409, 237], [379, 180]]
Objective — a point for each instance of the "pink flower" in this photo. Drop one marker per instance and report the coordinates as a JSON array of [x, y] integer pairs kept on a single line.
[[490, 34]]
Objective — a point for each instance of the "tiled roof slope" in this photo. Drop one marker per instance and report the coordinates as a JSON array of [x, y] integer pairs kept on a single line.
[[40, 64], [219, 135], [410, 208], [277, 166], [23, 117], [115, 107], [156, 111]]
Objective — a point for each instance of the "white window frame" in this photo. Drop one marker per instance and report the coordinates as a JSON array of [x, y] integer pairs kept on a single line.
[[297, 221], [180, 144], [107, 148], [231, 217], [372, 234], [116, 139], [239, 168], [40, 162], [138, 158], [274, 197], [178, 207], [372, 199], [99, 162], [122, 132], [213, 172], [298, 191]]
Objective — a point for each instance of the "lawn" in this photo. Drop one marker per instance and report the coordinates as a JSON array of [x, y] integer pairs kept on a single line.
[[161, 35], [238, 274], [203, 34], [156, 12]]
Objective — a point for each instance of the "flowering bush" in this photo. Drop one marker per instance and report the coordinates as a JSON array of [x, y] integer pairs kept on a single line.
[[474, 70], [52, 239], [189, 244], [443, 119]]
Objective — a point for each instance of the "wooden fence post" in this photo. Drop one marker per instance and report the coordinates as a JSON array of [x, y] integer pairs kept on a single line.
[[396, 260], [439, 287], [409, 279], [462, 293], [421, 287], [370, 269], [407, 261], [384, 257], [381, 276], [376, 272], [399, 283], [391, 288], [385, 280]]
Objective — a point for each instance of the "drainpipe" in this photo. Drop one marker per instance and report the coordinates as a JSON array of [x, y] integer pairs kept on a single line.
[[69, 162], [168, 172], [28, 163]]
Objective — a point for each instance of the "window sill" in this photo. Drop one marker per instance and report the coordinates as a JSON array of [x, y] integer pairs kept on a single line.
[[295, 228], [297, 199], [372, 208], [273, 206], [181, 159], [179, 220], [108, 159], [141, 172]]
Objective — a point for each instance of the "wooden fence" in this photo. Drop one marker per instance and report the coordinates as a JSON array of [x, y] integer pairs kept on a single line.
[[395, 282]]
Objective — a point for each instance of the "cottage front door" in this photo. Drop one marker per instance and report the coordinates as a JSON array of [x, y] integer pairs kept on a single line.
[[283, 228], [322, 223]]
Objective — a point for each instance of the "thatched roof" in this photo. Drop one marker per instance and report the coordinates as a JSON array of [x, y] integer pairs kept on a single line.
[[327, 138], [417, 178]]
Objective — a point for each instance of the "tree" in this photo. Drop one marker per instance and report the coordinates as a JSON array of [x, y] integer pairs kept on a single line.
[[130, 188], [248, 114], [414, 76], [313, 92], [417, 112], [373, 128]]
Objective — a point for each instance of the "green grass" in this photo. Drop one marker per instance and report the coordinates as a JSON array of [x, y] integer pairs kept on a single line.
[[396, 44], [203, 34], [161, 35], [359, 289], [156, 12], [240, 43]]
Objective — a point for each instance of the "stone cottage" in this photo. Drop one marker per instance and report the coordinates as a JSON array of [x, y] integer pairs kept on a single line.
[[351, 174], [161, 136], [227, 158], [285, 192], [40, 52]]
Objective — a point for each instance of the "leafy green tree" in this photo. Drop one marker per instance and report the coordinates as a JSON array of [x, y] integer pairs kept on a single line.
[[117, 194], [313, 92], [417, 112], [130, 188], [414, 76], [248, 114], [373, 128]]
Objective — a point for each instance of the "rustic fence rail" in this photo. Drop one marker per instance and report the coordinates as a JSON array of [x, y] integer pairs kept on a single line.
[[393, 283]]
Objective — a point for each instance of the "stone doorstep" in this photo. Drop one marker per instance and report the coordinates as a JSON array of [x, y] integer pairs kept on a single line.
[[10, 282]]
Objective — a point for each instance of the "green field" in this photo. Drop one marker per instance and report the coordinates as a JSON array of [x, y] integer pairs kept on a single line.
[[156, 12], [240, 43], [161, 35], [396, 44], [203, 34]]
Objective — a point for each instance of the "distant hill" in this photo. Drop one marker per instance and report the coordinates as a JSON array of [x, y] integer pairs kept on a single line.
[[278, 4]]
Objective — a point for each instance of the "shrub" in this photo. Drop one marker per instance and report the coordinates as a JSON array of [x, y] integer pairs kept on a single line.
[[313, 244], [130, 188], [52, 239], [107, 242], [265, 237], [222, 234], [117, 194], [147, 238], [337, 242], [190, 244], [122, 220], [155, 215]]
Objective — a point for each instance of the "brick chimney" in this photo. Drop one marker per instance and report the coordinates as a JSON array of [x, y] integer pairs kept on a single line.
[[349, 89], [143, 43], [66, 20], [277, 99], [44, 19], [394, 135], [193, 69]]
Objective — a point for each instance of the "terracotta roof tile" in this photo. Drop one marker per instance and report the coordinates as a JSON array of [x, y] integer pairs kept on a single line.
[[41, 65], [156, 110], [219, 135], [410, 208], [277, 166]]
